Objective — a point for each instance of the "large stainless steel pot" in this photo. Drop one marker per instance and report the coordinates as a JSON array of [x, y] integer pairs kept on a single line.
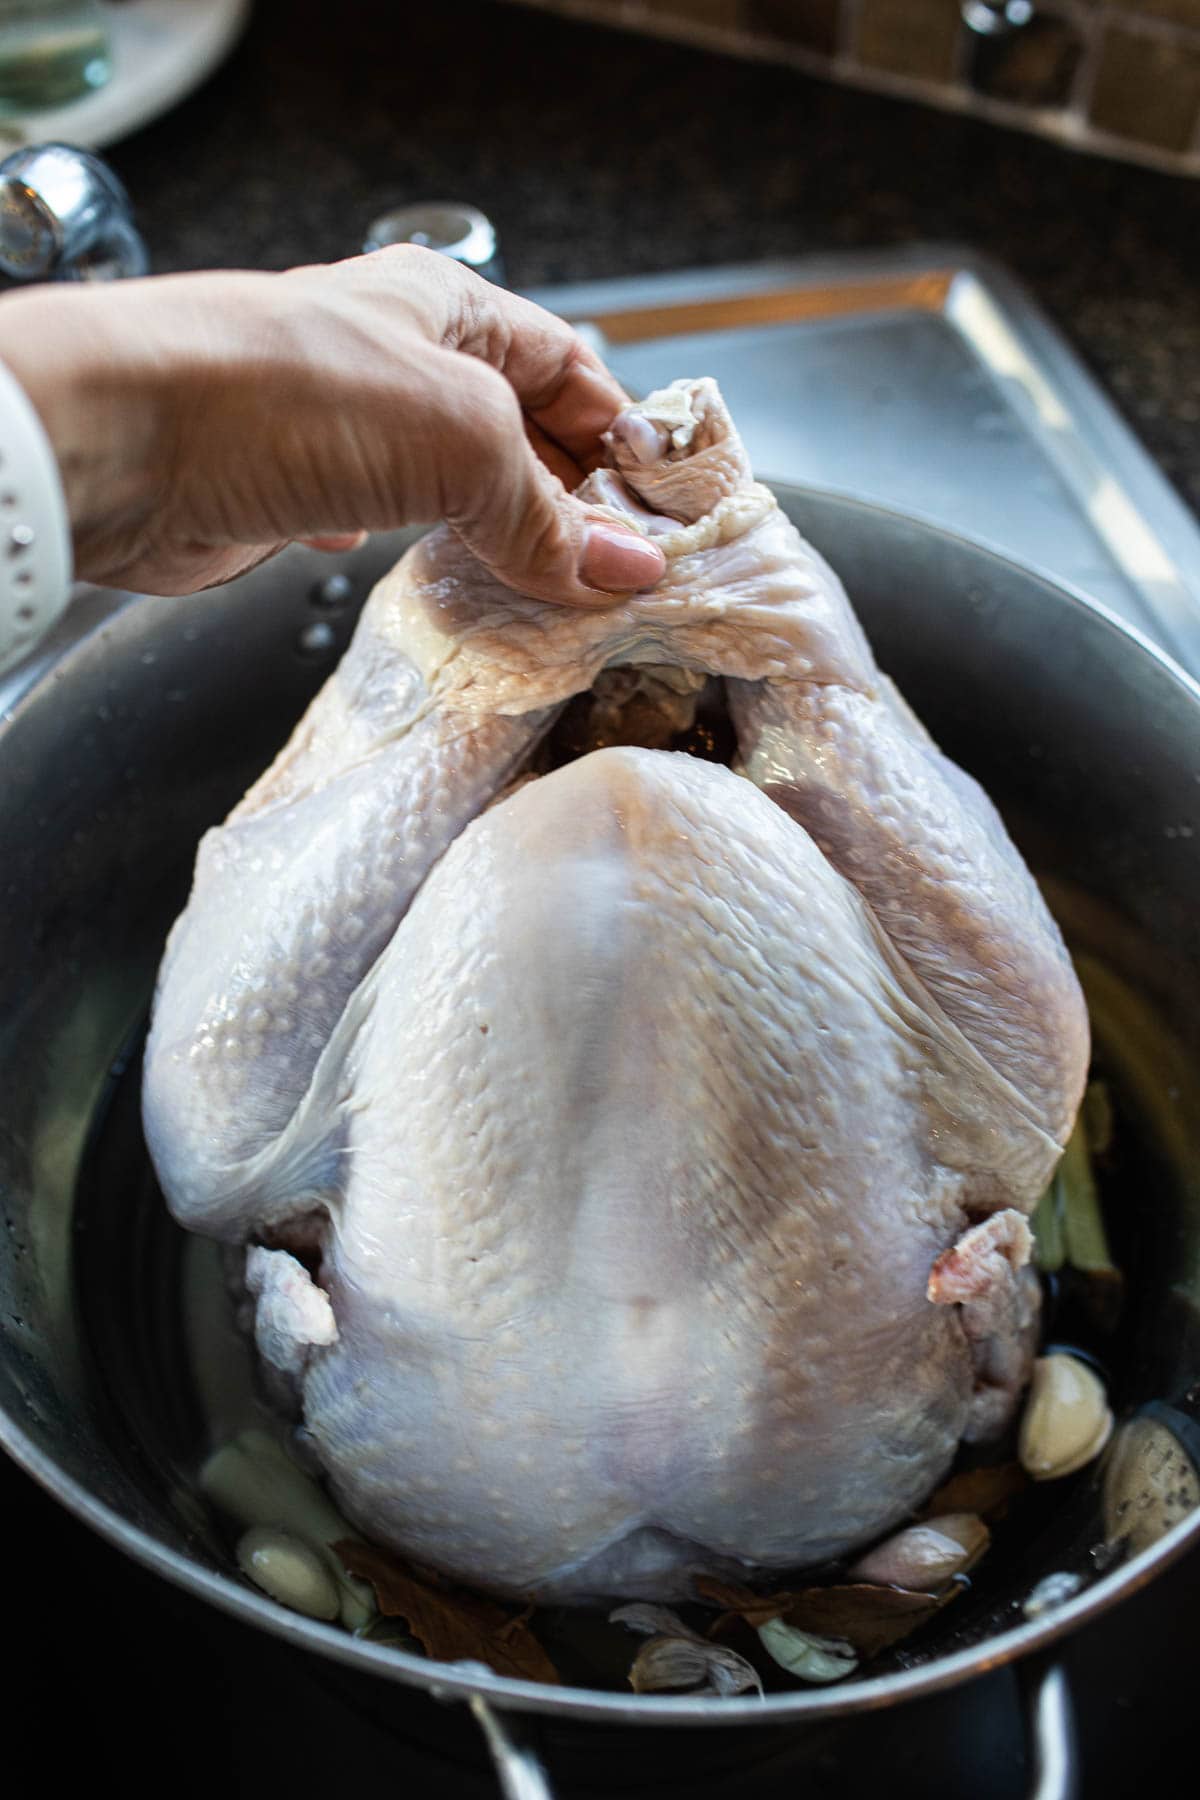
[[146, 719]]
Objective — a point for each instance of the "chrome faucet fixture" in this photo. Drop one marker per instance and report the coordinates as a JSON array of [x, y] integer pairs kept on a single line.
[[64, 216], [457, 230]]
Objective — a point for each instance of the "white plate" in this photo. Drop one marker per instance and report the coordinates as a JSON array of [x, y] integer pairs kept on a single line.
[[161, 50]]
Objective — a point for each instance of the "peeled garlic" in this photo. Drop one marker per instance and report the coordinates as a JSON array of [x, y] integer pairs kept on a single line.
[[1067, 1420], [1150, 1484], [805, 1654], [925, 1557], [255, 1480], [289, 1570]]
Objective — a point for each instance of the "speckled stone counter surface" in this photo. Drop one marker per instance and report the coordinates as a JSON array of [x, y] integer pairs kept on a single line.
[[597, 153]]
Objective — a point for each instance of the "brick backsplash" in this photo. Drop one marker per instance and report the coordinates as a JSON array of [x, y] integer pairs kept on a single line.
[[1120, 79], [907, 37], [1147, 88]]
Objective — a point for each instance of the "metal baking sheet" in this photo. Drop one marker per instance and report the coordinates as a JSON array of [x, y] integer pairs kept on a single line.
[[925, 380]]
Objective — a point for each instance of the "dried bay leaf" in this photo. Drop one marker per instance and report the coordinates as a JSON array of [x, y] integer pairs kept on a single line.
[[988, 1491], [451, 1624], [868, 1616], [742, 1602]]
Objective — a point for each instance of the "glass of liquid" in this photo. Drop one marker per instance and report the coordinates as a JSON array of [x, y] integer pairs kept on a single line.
[[51, 52]]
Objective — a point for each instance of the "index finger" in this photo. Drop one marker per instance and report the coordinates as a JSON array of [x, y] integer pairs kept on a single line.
[[561, 383]]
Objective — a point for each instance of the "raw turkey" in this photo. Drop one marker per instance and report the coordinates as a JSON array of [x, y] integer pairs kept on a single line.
[[633, 1155]]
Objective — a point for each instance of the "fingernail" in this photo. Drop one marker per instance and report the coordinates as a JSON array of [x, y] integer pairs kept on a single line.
[[332, 541], [618, 562]]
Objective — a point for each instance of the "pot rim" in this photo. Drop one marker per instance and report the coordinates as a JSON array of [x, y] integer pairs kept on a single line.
[[473, 1680]]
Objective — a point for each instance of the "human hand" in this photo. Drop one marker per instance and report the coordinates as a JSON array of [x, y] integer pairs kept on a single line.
[[203, 421]]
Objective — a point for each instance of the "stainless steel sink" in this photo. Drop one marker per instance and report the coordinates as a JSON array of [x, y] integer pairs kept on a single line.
[[925, 380]]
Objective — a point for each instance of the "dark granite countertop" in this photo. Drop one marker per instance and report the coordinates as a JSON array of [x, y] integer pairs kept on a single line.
[[599, 153]]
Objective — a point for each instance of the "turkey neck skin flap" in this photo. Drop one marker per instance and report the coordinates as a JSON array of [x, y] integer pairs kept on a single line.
[[594, 1137]]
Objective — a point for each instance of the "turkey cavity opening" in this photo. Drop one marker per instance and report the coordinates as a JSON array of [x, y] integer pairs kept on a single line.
[[654, 707]]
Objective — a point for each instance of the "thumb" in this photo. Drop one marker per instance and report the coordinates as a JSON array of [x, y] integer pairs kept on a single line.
[[516, 516]]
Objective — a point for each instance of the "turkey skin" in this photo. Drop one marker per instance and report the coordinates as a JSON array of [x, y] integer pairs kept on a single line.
[[632, 1157]]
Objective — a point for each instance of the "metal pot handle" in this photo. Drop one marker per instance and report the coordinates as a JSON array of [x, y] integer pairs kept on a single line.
[[518, 1766], [1050, 1729], [1049, 1719]]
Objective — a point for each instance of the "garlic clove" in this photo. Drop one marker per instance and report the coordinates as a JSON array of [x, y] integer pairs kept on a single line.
[[1150, 1484], [1067, 1420], [255, 1481], [678, 1660], [653, 1621], [967, 1529], [289, 1570], [923, 1558], [805, 1654], [678, 1665]]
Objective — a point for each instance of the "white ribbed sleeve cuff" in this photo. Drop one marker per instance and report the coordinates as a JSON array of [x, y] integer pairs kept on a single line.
[[35, 533]]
